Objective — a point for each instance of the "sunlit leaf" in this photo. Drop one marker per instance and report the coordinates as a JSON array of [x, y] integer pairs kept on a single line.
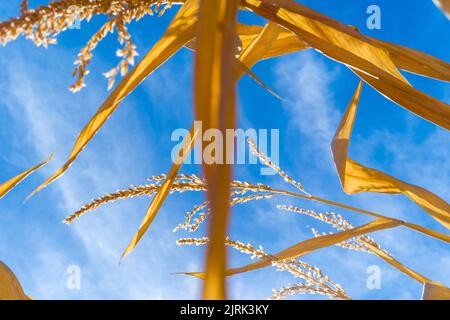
[[444, 5], [358, 178], [346, 45], [415, 61], [158, 200], [11, 183], [435, 291], [214, 92], [257, 49], [405, 58], [310, 245], [286, 41], [10, 288]]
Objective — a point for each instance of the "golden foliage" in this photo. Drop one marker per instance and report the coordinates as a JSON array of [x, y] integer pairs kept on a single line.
[[215, 106], [358, 178], [10, 288], [444, 5], [11, 183], [225, 50]]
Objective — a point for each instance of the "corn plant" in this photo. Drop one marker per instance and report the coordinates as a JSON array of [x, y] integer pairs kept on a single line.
[[226, 49]]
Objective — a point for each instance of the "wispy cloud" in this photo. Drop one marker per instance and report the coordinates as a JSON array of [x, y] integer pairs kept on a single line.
[[48, 119], [308, 82]]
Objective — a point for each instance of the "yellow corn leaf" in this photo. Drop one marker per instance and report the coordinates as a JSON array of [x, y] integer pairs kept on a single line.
[[379, 252], [254, 51], [405, 58], [444, 5], [349, 47], [252, 75], [413, 100], [180, 31], [337, 39], [248, 35], [429, 232], [10, 288], [258, 43], [415, 61], [158, 200], [11, 183], [413, 274], [285, 42], [396, 264], [215, 83], [432, 233], [435, 291], [358, 178], [311, 245]]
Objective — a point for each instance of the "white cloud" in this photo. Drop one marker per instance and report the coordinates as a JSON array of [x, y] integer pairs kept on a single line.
[[45, 120], [310, 101]]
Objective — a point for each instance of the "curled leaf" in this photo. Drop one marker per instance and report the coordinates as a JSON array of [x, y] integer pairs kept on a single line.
[[10, 288], [357, 178], [344, 44]]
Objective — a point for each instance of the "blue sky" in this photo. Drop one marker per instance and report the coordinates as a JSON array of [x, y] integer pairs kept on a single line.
[[39, 116]]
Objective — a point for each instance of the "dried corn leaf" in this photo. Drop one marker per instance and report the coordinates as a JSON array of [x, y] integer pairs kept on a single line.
[[405, 58], [435, 291], [10, 288], [358, 178], [255, 50], [11, 183], [396, 264], [429, 232], [248, 34], [158, 200], [349, 47], [413, 100], [214, 92], [336, 38], [180, 31], [413, 274], [252, 75], [311, 245], [444, 5], [415, 61], [285, 43]]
